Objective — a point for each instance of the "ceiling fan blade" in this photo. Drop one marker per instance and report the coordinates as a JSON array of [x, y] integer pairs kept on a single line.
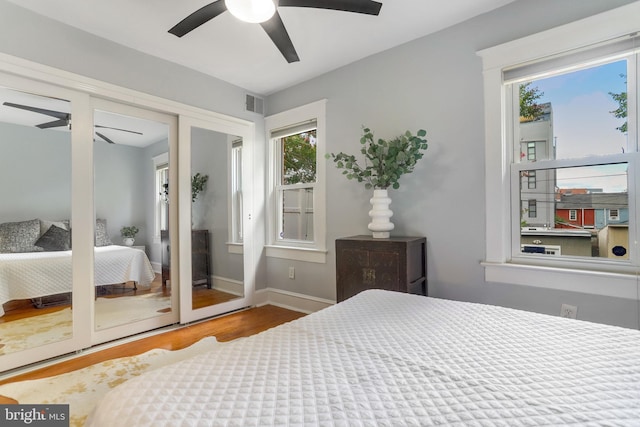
[[105, 138], [57, 114], [199, 17], [368, 7], [278, 33], [123, 130], [53, 124]]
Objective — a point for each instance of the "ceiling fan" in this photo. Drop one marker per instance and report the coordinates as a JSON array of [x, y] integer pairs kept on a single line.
[[63, 119], [264, 12]]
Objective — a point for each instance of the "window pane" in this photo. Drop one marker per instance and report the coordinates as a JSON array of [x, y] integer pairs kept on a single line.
[[574, 115], [297, 214], [578, 211], [299, 158]]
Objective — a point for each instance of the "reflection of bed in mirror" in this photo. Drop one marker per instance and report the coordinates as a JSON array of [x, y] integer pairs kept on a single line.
[[38, 274], [33, 264]]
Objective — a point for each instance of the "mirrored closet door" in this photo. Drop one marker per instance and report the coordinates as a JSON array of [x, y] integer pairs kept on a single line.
[[132, 166], [212, 246], [36, 259]]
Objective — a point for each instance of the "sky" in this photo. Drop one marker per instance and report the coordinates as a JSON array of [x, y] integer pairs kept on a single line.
[[583, 124]]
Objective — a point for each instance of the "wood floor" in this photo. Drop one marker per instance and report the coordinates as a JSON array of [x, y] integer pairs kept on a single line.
[[226, 328]]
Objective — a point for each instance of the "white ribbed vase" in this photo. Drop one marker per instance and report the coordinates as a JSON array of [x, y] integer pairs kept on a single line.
[[380, 214]]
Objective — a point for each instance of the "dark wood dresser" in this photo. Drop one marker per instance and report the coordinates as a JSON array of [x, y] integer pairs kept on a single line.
[[200, 257], [396, 264]]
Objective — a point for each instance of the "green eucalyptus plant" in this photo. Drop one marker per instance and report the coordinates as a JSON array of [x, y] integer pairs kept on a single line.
[[385, 161], [129, 231], [198, 182]]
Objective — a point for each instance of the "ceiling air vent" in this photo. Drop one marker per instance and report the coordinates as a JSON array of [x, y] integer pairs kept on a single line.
[[255, 104]]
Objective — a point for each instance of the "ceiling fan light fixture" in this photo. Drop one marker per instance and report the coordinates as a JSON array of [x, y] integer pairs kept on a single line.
[[253, 11]]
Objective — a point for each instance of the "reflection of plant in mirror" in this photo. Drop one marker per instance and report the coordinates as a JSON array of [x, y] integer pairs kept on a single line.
[[129, 231], [198, 182]]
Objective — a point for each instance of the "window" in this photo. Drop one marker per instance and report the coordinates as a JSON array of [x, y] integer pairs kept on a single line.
[[531, 151], [531, 180], [578, 134], [161, 167], [236, 192], [532, 207], [614, 215], [297, 197]]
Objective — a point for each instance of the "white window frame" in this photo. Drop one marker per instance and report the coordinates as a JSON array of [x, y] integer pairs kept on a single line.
[[312, 251], [573, 214], [236, 232], [160, 205], [611, 279]]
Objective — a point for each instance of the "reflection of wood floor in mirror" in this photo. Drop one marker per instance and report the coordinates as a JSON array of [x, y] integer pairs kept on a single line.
[[203, 297], [21, 309]]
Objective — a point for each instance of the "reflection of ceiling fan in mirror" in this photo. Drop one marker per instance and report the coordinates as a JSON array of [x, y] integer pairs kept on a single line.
[[64, 119]]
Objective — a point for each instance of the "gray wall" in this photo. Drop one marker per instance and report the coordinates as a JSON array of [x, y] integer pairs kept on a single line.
[[35, 171], [433, 83], [35, 174], [209, 211]]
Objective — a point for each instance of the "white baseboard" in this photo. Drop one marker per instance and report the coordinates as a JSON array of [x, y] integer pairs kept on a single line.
[[290, 300], [231, 286], [157, 267]]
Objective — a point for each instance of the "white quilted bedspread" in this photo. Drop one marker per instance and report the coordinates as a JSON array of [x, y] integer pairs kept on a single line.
[[37, 274], [391, 359]]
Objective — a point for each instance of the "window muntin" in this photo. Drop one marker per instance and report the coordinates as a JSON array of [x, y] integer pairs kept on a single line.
[[577, 122]]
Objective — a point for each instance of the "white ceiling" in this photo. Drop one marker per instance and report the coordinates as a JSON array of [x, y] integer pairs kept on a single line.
[[242, 53]]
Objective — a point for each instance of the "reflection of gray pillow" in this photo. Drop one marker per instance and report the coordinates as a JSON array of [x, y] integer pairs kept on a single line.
[[55, 239], [19, 236], [45, 224], [102, 238]]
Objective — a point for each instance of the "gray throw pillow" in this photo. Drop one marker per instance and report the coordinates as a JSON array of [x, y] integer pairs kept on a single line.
[[19, 236], [54, 239], [45, 224], [102, 238]]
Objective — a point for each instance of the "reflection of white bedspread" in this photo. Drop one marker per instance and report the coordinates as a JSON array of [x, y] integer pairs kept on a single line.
[[37, 274], [386, 358]]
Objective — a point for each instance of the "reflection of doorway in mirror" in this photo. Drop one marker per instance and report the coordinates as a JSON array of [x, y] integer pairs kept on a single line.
[[212, 155], [35, 245]]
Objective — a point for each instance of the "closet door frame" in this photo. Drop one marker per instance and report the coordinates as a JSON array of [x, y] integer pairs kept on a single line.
[[22, 74]]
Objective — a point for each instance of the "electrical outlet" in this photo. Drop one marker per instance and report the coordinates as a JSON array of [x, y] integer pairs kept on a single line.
[[568, 311], [292, 273]]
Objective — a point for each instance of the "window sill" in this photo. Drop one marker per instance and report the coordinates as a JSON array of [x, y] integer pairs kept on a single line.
[[617, 285], [235, 248], [298, 254]]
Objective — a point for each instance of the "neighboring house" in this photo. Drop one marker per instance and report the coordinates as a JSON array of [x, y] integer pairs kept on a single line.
[[592, 211], [537, 188]]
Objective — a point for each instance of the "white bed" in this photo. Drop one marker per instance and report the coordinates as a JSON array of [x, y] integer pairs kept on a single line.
[[390, 359], [38, 274]]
